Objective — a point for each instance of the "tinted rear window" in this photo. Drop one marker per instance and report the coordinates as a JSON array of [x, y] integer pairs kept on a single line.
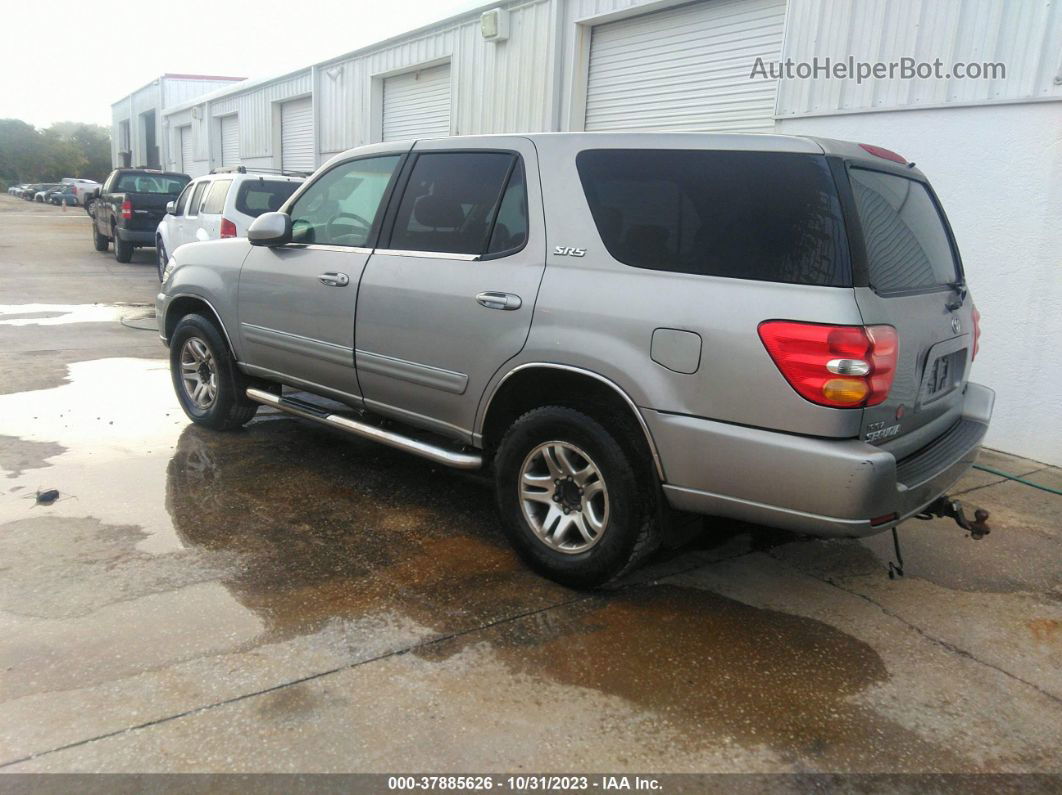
[[151, 183], [745, 215], [263, 196], [907, 245]]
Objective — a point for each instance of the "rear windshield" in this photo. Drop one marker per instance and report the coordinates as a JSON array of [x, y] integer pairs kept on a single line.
[[263, 196], [151, 183], [770, 216], [907, 245]]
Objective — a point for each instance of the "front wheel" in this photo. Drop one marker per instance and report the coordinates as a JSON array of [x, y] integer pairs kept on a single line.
[[99, 242], [209, 386], [160, 257], [570, 498]]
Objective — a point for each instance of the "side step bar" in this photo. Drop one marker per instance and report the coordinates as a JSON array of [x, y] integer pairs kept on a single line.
[[300, 408]]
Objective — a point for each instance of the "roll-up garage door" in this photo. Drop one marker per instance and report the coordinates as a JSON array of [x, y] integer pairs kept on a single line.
[[186, 149], [230, 140], [686, 68], [296, 135], [417, 104]]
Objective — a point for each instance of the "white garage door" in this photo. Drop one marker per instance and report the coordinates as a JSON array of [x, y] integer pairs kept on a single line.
[[186, 149], [686, 68], [417, 104], [230, 140], [296, 135]]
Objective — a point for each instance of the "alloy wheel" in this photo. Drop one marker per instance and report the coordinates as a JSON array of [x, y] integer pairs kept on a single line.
[[563, 497]]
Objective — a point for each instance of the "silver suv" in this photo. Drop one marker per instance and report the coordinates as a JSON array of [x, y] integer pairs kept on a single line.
[[622, 327]]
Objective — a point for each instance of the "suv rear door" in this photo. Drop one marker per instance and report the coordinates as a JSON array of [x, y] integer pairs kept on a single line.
[[916, 285], [447, 297]]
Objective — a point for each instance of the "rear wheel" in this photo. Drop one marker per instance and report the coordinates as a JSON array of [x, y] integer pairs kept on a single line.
[[209, 386], [123, 249], [99, 242], [570, 498]]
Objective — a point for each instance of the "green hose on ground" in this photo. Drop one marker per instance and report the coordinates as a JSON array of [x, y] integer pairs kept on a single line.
[[1021, 480]]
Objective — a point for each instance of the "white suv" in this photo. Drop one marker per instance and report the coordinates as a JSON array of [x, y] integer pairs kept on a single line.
[[221, 204]]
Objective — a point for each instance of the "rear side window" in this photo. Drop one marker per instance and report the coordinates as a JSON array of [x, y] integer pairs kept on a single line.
[[258, 196], [450, 202], [907, 245], [215, 200], [770, 216]]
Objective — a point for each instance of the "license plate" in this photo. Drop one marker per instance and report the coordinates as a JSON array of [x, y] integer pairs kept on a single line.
[[944, 374]]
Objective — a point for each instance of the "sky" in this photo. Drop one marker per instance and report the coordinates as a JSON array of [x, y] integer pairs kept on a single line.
[[68, 60]]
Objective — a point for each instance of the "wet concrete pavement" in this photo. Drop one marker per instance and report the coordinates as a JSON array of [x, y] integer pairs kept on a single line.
[[282, 599]]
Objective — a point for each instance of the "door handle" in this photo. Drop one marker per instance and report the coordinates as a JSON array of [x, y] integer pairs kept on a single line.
[[505, 301], [334, 279]]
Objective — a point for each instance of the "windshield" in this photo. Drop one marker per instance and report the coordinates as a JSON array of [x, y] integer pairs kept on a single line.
[[907, 245], [151, 183]]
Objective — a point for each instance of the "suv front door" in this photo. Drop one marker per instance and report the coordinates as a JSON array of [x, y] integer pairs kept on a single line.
[[297, 301], [447, 297]]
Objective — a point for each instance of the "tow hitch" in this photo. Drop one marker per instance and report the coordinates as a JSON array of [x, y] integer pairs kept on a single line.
[[953, 509]]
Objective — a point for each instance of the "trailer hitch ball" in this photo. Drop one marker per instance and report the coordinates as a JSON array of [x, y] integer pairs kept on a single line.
[[953, 509]]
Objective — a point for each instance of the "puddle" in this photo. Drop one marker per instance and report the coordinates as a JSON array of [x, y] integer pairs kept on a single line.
[[64, 314], [712, 669]]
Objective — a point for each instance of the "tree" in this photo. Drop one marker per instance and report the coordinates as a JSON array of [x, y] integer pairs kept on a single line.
[[66, 149]]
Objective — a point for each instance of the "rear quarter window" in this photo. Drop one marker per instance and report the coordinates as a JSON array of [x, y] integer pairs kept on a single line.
[[255, 197], [215, 199], [770, 216]]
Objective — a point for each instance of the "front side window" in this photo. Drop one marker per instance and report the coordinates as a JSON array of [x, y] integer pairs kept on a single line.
[[769, 216], [907, 245], [214, 204], [451, 201], [197, 198], [341, 207], [182, 200]]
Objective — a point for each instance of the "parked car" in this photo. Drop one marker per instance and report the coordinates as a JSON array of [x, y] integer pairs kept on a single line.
[[16, 190], [29, 191], [220, 205], [63, 195], [129, 207], [768, 328], [40, 193], [81, 189]]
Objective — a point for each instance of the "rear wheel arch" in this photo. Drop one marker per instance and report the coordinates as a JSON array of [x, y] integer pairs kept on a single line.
[[530, 386]]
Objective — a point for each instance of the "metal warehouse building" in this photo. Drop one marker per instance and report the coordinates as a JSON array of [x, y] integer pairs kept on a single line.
[[991, 146]]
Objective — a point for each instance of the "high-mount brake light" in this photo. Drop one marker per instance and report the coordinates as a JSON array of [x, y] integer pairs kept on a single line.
[[837, 366], [887, 154]]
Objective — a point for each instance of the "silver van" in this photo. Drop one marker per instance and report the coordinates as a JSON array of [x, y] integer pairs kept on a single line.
[[619, 326]]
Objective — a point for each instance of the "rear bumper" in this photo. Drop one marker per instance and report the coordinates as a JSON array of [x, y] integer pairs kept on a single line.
[[817, 486], [143, 237]]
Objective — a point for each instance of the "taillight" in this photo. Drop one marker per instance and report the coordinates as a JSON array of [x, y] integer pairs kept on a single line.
[[228, 228], [977, 333], [127, 210], [840, 366]]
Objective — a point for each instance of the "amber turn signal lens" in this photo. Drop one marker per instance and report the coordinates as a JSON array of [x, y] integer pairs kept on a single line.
[[845, 390]]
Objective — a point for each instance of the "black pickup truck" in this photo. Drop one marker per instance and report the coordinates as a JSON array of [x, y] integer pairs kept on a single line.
[[130, 205]]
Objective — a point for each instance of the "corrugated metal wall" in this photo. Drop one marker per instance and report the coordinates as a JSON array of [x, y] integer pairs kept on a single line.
[[255, 109], [1025, 35], [177, 90]]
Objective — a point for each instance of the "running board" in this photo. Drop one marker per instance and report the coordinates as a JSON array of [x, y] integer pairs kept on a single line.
[[308, 411]]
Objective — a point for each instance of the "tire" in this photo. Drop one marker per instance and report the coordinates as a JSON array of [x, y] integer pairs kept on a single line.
[[123, 249], [623, 514], [228, 408], [160, 257], [99, 242]]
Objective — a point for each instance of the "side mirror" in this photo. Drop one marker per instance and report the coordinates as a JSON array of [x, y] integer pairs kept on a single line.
[[270, 229], [171, 208]]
